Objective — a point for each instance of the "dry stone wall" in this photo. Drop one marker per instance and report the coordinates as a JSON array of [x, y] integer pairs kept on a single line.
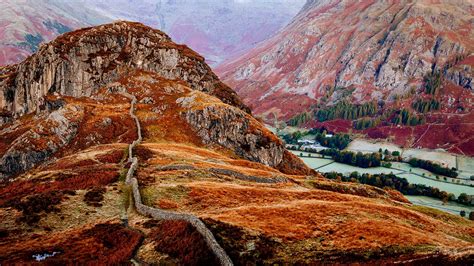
[[218, 251]]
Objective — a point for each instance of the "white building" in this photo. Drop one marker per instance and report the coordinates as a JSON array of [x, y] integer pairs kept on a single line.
[[306, 142]]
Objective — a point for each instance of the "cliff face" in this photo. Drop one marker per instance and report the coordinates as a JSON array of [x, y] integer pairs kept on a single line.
[[78, 63], [217, 183], [370, 51]]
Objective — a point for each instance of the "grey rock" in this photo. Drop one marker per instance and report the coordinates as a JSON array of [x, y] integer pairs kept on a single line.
[[22, 155], [231, 128]]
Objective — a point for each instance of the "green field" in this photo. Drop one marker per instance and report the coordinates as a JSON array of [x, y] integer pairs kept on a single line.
[[347, 169], [448, 187], [465, 166], [366, 146], [404, 170]]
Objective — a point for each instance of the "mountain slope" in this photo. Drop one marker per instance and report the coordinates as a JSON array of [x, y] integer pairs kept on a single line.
[[379, 52], [84, 166], [201, 24], [216, 29]]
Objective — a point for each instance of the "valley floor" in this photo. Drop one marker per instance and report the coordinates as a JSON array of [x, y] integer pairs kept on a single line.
[[404, 170]]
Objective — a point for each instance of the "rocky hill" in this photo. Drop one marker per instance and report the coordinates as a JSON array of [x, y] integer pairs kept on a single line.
[[123, 147], [78, 63], [345, 63]]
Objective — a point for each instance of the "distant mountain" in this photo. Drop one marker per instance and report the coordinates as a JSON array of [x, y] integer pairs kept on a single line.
[[392, 69], [27, 23], [217, 29]]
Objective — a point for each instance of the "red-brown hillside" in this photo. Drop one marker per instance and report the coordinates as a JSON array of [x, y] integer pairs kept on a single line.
[[368, 52]]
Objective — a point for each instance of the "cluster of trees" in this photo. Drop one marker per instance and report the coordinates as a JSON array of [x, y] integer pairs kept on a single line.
[[300, 119], [426, 106], [399, 117], [400, 184], [432, 83], [357, 159], [464, 199], [387, 152], [338, 141], [364, 123], [433, 167], [404, 117], [346, 110], [292, 138]]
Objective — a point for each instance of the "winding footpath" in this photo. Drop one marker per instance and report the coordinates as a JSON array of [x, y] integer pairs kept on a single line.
[[145, 210]]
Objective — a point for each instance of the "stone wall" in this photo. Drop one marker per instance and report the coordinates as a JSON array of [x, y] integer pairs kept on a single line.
[[218, 251]]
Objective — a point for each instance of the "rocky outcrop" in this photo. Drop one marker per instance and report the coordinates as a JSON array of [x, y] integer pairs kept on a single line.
[[461, 73], [40, 142], [237, 131], [78, 63], [231, 129]]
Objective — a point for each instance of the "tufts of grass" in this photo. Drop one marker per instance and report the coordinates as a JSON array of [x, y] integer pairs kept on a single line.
[[150, 195], [126, 192], [176, 193], [123, 174], [125, 155]]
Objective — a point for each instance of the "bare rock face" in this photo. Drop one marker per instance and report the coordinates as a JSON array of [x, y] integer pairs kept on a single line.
[[78, 63], [235, 130], [40, 142], [462, 73]]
